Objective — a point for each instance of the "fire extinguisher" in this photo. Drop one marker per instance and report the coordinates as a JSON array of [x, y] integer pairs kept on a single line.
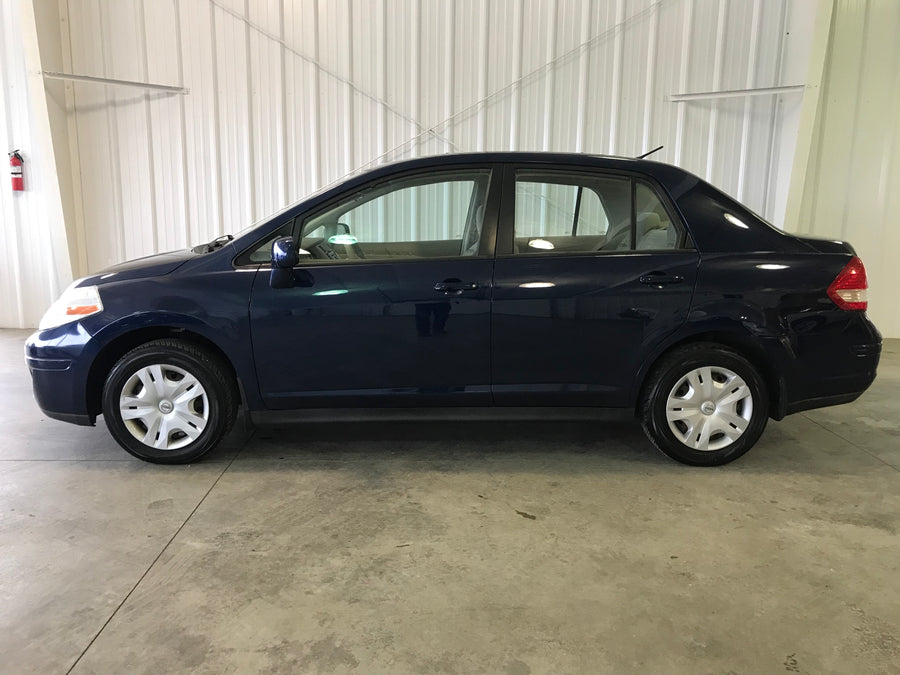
[[15, 169]]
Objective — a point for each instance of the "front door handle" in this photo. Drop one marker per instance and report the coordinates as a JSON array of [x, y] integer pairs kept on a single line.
[[660, 279], [455, 286]]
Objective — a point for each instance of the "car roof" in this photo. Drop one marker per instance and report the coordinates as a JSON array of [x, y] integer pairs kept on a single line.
[[567, 158], [667, 174]]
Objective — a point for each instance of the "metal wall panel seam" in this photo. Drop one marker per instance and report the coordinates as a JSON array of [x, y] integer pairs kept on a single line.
[[80, 263], [113, 135], [414, 77], [845, 212], [774, 127], [315, 100], [282, 55], [483, 76], [888, 156], [145, 71], [550, 76], [749, 82], [381, 108], [808, 134], [889, 172], [615, 94], [652, 49], [516, 92], [583, 69], [348, 93], [687, 19], [216, 145], [250, 135], [717, 80], [182, 122]]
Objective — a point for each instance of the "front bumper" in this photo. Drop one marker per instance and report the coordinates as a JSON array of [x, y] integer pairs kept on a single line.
[[58, 367]]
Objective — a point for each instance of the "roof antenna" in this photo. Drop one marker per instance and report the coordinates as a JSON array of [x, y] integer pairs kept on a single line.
[[647, 154]]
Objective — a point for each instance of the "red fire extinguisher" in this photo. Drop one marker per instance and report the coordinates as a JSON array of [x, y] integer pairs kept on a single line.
[[15, 169]]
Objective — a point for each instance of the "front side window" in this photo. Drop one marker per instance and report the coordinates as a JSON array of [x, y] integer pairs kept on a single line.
[[261, 252], [433, 216], [583, 213]]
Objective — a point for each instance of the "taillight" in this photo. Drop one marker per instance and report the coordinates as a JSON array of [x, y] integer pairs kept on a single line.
[[848, 290]]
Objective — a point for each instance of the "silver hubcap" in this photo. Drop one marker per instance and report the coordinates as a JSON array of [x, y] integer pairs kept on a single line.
[[709, 408], [164, 407]]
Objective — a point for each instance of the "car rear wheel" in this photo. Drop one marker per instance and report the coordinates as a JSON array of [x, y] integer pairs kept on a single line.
[[169, 401], [704, 405]]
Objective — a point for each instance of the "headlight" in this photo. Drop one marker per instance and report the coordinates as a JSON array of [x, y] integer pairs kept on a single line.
[[73, 305]]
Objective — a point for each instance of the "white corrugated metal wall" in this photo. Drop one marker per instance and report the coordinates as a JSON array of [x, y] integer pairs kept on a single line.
[[851, 189], [288, 95], [34, 260]]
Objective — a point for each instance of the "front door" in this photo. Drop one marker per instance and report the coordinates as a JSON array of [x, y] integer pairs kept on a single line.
[[593, 270], [391, 299]]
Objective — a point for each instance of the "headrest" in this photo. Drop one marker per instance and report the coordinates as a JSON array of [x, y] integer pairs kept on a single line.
[[648, 221]]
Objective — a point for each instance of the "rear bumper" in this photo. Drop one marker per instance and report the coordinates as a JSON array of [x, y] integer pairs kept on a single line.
[[822, 402], [833, 368], [82, 420]]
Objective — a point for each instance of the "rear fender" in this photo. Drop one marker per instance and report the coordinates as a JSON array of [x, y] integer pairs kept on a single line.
[[770, 354]]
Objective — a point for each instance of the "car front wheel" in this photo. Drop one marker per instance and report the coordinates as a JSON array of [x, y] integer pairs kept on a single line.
[[704, 405], [169, 401]]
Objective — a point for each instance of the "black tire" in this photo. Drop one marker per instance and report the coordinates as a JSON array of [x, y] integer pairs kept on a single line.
[[669, 372], [208, 369]]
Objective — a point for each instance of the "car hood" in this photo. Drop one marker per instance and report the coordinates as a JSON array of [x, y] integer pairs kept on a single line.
[[149, 266]]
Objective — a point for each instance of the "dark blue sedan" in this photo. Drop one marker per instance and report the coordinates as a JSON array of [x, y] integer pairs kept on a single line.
[[513, 279]]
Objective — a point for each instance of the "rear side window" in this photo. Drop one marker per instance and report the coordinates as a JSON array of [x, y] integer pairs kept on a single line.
[[654, 229], [564, 213], [546, 209]]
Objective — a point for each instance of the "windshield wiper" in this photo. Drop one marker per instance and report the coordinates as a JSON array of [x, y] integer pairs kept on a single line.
[[216, 243]]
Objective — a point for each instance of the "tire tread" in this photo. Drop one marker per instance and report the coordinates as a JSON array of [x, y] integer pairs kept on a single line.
[[661, 370], [216, 368]]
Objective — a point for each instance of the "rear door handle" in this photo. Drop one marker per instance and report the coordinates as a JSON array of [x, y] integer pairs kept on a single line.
[[455, 286], [660, 279]]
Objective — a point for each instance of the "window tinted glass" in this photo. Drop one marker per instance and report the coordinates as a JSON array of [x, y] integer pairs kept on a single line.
[[558, 210], [437, 216], [655, 230], [262, 251], [571, 213], [583, 213]]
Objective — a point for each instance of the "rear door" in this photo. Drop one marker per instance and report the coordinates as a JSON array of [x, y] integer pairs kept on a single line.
[[593, 270], [391, 306]]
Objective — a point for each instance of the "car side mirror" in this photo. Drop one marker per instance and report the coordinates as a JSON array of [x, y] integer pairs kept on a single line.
[[284, 254]]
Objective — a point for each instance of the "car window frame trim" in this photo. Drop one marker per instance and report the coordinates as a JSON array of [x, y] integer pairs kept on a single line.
[[505, 247], [487, 242]]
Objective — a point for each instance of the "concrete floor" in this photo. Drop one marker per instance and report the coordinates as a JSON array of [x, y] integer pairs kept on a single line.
[[443, 547]]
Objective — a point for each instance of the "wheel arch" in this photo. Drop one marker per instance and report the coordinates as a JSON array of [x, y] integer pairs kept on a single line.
[[116, 348], [738, 340]]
